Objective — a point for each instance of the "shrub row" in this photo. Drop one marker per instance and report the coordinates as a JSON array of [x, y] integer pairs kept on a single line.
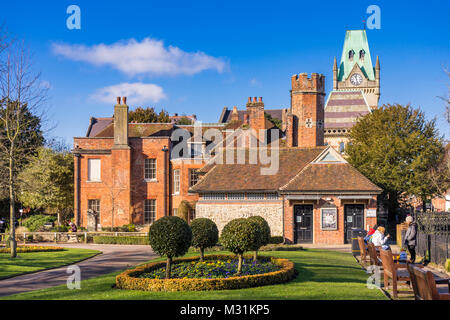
[[276, 240], [120, 240], [25, 249], [127, 280]]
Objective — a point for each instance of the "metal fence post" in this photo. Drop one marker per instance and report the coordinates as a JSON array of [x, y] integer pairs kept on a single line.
[[24, 238], [85, 237]]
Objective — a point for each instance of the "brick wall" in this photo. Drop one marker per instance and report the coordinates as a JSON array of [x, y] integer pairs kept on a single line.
[[319, 235]]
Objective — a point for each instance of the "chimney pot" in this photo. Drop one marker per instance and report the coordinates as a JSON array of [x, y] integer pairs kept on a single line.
[[260, 99], [254, 99], [124, 100], [249, 99], [118, 100]]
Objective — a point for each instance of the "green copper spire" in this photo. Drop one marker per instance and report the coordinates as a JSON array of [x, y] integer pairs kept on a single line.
[[355, 46]]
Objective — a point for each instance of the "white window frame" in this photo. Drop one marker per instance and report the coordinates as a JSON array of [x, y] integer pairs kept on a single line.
[[147, 204], [176, 181], [90, 177], [150, 169]]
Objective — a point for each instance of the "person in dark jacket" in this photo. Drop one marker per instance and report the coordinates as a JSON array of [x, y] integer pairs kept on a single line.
[[410, 238]]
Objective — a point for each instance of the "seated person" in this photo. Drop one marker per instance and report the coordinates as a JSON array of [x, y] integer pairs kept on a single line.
[[378, 238]]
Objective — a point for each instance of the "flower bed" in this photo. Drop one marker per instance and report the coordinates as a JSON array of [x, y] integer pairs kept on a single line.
[[212, 269], [25, 249], [191, 274]]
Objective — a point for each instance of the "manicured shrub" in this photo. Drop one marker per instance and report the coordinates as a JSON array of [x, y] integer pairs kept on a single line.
[[240, 235], [170, 236], [204, 234], [37, 221], [120, 240], [276, 240], [264, 234], [183, 210], [130, 280]]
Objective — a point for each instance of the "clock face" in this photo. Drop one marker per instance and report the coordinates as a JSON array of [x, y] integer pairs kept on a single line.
[[356, 79]]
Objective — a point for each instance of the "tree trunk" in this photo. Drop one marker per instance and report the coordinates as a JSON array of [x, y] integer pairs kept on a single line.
[[12, 204], [240, 257], [112, 217], [168, 267], [202, 254], [255, 255]]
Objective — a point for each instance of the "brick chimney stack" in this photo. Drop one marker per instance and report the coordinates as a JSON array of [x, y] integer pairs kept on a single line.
[[255, 111], [121, 124]]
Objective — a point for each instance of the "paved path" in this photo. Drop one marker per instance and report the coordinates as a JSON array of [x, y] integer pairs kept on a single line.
[[334, 247], [113, 258]]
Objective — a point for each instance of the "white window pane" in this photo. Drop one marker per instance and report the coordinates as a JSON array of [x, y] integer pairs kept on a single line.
[[94, 170]]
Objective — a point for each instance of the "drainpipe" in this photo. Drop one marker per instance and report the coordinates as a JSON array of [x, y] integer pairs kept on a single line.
[[77, 190], [165, 149]]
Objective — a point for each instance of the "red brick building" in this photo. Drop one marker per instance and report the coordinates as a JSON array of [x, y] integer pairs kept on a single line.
[[124, 173]]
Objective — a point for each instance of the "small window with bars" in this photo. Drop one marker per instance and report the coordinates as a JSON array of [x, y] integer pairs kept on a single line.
[[150, 169], [236, 196], [255, 196], [193, 177], [272, 196], [214, 196], [176, 181], [149, 211]]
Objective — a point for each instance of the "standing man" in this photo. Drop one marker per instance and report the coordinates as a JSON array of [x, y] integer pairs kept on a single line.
[[410, 238]]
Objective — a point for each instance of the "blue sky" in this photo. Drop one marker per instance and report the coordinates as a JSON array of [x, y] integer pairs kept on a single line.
[[215, 54]]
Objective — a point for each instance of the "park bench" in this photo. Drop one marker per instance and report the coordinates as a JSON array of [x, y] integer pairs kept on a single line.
[[374, 255], [424, 284], [363, 257], [396, 272]]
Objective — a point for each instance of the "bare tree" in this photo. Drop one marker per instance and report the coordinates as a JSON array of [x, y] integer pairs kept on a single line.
[[22, 96], [115, 188]]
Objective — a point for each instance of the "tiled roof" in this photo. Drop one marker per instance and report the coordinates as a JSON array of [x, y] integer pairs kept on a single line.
[[297, 173], [330, 177], [140, 130], [275, 113], [97, 125], [239, 177], [343, 108]]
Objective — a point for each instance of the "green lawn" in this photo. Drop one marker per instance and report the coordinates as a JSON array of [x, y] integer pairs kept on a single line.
[[322, 275], [35, 261]]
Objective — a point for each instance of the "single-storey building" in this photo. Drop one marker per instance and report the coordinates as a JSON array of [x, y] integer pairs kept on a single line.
[[315, 197]]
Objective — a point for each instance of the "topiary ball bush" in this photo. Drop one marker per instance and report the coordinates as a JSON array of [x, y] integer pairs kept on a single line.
[[170, 236], [204, 233], [239, 235], [264, 230]]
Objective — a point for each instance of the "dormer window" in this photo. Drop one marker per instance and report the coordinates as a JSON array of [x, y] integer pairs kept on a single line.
[[351, 53], [361, 54]]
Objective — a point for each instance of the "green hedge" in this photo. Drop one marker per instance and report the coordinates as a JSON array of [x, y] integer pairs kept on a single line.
[[276, 240], [120, 240], [447, 265], [127, 279], [36, 221]]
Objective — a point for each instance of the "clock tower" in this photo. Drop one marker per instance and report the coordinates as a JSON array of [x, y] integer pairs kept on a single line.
[[356, 89], [355, 70]]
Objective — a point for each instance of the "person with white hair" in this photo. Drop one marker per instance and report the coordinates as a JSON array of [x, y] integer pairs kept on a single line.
[[410, 238]]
